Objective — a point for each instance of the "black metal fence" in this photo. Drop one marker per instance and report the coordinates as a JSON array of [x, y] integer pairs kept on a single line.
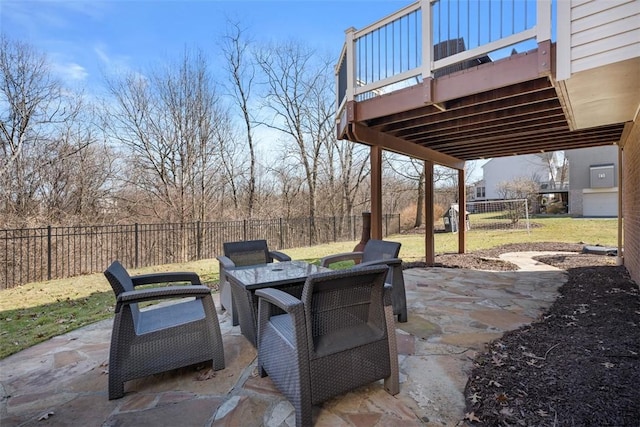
[[37, 254]]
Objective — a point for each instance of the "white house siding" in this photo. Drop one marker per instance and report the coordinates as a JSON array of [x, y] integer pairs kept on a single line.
[[594, 33], [509, 169], [583, 199], [601, 202]]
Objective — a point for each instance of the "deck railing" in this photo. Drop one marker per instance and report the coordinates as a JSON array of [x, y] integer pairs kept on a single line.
[[430, 38]]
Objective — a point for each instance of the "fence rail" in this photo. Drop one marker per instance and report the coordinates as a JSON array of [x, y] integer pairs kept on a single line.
[[37, 254]]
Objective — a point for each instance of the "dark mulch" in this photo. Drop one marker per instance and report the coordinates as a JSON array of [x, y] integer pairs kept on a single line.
[[578, 365]]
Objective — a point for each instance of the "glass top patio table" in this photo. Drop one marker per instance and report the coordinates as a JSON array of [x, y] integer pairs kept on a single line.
[[288, 276], [274, 274]]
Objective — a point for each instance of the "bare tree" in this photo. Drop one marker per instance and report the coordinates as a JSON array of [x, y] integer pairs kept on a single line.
[[346, 167], [33, 106], [298, 96], [289, 185], [168, 122], [518, 189], [242, 75], [412, 171], [77, 177]]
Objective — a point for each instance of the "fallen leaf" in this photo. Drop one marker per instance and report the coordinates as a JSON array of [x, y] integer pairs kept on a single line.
[[533, 363], [507, 412], [502, 398], [471, 417], [495, 383], [206, 375], [475, 397], [497, 361], [542, 413], [46, 415], [608, 365]]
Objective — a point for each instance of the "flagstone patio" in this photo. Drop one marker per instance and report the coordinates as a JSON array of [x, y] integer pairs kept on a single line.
[[453, 313]]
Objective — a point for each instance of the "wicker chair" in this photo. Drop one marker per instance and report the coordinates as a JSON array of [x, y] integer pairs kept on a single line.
[[339, 336], [146, 342], [378, 252], [238, 254]]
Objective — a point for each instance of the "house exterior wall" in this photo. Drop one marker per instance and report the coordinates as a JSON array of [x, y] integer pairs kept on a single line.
[[600, 33], [505, 169], [600, 202], [583, 198], [631, 202]]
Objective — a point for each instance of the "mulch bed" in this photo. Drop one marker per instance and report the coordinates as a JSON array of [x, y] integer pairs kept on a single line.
[[578, 365]]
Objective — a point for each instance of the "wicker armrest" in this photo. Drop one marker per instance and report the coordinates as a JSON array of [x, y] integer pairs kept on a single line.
[[389, 261], [279, 256], [346, 256], [281, 299], [225, 262], [147, 279], [165, 292], [388, 293]]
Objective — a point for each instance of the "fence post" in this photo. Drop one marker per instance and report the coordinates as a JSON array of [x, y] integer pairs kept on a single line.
[[353, 226], [48, 252], [386, 224], [198, 241], [244, 229], [136, 245], [335, 236], [281, 236]]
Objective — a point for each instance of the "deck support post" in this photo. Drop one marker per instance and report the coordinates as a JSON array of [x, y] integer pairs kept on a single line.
[[376, 191], [429, 215], [462, 212]]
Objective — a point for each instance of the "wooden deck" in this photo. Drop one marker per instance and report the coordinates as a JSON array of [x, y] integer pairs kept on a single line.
[[507, 107]]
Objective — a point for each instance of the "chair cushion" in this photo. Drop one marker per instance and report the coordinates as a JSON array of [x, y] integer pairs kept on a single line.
[[376, 250], [283, 323], [249, 258], [166, 316], [346, 338], [119, 278]]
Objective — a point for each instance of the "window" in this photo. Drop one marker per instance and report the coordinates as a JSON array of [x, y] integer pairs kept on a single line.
[[480, 193]]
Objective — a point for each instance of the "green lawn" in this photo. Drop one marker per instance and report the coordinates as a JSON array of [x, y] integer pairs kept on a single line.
[[38, 311]]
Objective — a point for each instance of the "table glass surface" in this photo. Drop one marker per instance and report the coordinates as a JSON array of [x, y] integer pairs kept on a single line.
[[272, 274]]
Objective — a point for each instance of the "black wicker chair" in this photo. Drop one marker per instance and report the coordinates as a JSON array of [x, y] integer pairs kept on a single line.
[[239, 254], [339, 336], [377, 252], [158, 339]]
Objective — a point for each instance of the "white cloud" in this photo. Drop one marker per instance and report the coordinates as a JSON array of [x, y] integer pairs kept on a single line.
[[110, 63], [70, 71]]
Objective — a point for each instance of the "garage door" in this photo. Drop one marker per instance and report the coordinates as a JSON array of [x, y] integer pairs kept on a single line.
[[600, 203]]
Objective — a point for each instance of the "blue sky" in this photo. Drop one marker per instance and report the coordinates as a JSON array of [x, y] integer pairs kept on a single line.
[[84, 38]]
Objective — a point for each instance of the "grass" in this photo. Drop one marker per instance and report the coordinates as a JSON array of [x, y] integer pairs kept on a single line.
[[35, 312]]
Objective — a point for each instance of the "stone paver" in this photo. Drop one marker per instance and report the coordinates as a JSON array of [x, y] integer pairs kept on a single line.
[[453, 313]]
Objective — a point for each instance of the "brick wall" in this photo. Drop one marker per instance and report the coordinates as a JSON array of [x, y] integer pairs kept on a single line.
[[575, 202], [631, 202]]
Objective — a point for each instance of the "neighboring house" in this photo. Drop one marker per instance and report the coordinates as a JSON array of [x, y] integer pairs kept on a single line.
[[533, 167], [593, 173]]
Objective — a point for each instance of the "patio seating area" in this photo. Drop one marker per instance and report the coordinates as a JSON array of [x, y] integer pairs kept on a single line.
[[453, 313]]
